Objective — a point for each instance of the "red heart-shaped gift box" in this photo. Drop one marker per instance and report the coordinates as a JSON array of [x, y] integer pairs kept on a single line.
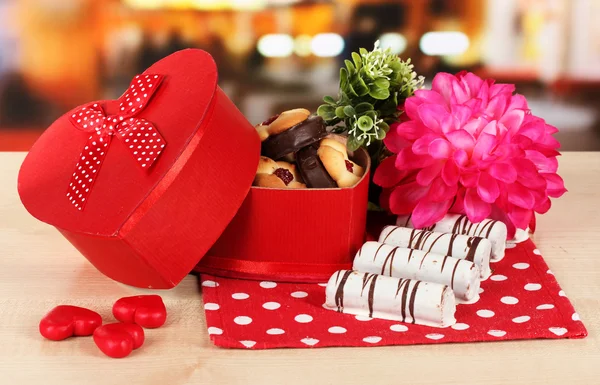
[[147, 222]]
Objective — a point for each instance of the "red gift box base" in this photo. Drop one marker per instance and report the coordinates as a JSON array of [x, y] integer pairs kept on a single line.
[[522, 300]]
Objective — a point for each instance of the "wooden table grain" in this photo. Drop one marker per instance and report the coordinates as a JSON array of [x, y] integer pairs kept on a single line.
[[39, 269]]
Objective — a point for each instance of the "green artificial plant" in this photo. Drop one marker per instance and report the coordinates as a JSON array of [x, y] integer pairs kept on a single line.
[[371, 86]]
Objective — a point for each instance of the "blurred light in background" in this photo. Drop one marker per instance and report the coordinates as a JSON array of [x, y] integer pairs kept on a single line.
[[394, 41], [302, 45], [276, 45], [444, 43], [327, 45]]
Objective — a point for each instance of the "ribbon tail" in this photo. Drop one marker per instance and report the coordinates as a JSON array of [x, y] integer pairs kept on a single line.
[[143, 140], [87, 168]]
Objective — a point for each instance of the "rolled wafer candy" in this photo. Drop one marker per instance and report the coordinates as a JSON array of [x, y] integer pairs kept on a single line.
[[390, 298], [459, 275], [473, 249], [493, 230]]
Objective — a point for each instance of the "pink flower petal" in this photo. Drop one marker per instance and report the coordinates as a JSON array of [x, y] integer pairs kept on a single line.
[[450, 173], [487, 188], [411, 106], [442, 84], [555, 185], [408, 160], [421, 145], [430, 97], [525, 168], [461, 139], [440, 191], [429, 173], [512, 120], [484, 146], [520, 196], [543, 206], [404, 198], [439, 149], [475, 208], [520, 217], [469, 179], [497, 89], [473, 83], [462, 114], [461, 158], [475, 126], [428, 213], [517, 102], [387, 175], [542, 163], [432, 116], [504, 172], [410, 131], [496, 107]]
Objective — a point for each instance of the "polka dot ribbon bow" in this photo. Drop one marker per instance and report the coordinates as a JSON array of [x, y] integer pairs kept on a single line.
[[141, 138]]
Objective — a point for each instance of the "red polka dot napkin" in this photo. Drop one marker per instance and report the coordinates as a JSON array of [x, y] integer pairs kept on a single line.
[[521, 300]]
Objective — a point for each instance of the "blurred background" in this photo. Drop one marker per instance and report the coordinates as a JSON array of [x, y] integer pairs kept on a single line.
[[279, 54]]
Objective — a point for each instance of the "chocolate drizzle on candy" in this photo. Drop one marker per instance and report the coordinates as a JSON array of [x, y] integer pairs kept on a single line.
[[470, 248], [379, 296]]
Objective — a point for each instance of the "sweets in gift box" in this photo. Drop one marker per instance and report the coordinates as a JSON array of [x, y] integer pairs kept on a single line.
[[474, 249], [459, 275], [322, 161], [493, 230], [391, 298]]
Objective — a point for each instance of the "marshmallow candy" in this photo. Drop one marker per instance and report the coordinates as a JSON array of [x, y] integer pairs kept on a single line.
[[459, 275], [378, 296], [473, 249], [495, 231]]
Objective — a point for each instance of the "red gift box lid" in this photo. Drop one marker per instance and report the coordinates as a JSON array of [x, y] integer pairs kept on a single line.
[[186, 197]]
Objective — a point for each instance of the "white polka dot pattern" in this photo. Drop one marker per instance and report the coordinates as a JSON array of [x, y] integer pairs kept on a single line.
[[520, 301], [141, 138]]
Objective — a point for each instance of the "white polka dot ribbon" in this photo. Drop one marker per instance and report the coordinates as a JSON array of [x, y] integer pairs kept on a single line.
[[142, 139]]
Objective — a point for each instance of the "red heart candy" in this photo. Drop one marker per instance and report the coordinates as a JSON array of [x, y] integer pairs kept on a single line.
[[65, 321], [117, 340], [148, 311]]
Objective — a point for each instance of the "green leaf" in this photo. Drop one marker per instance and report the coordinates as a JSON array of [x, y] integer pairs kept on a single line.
[[329, 100], [343, 79], [379, 93], [382, 83], [350, 66], [357, 60], [384, 127], [363, 52], [339, 112], [327, 112], [380, 134], [363, 107], [359, 86], [353, 143], [365, 123], [371, 114], [349, 111]]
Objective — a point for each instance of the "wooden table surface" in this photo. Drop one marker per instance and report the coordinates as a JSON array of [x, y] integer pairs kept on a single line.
[[39, 269]]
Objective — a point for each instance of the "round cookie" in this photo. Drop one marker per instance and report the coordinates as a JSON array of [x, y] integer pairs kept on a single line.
[[277, 174], [334, 157], [279, 123]]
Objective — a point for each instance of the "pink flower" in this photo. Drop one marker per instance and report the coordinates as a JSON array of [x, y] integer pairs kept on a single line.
[[470, 146]]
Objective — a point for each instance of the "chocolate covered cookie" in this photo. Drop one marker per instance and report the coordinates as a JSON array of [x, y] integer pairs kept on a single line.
[[287, 134]]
